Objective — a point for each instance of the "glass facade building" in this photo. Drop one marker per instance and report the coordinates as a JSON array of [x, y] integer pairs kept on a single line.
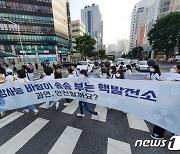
[[41, 26]]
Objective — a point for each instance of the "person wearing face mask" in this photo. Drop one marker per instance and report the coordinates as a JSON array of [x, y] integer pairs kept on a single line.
[[154, 73], [158, 132], [119, 74], [175, 73], [84, 104], [112, 72]]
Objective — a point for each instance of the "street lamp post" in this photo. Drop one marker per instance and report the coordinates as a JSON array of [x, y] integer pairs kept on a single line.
[[18, 25]]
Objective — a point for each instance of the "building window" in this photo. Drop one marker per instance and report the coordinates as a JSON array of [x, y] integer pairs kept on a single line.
[[89, 21]]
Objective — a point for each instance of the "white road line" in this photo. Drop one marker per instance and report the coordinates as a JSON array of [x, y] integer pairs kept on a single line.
[[102, 114], [72, 107], [137, 123], [67, 141], [8, 119], [44, 106], [15, 143], [118, 147]]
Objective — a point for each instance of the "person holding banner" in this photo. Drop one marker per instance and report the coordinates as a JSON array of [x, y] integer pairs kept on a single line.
[[48, 76], [84, 104], [112, 72], [70, 75], [10, 77], [75, 71], [154, 73], [128, 73], [158, 132], [21, 77]]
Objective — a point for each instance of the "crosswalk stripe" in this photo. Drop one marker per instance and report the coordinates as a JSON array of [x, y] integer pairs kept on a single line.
[[102, 113], [15, 143], [137, 123], [44, 106], [8, 119], [67, 141], [71, 108], [118, 147]]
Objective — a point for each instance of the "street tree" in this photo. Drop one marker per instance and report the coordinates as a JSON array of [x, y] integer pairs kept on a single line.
[[102, 53], [85, 45], [137, 52], [164, 35]]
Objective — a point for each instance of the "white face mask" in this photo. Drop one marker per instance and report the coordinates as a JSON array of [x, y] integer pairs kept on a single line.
[[152, 69], [110, 71], [118, 75], [172, 70]]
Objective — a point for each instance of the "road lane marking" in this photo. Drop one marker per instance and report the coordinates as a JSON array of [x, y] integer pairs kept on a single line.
[[137, 123], [15, 143], [72, 107], [8, 119], [67, 141], [118, 147], [44, 106], [102, 113]]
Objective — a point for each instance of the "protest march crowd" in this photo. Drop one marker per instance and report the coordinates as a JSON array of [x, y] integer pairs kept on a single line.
[[25, 74]]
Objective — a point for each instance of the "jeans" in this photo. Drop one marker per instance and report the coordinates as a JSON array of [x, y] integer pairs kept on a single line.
[[81, 104], [158, 130], [31, 108], [52, 102]]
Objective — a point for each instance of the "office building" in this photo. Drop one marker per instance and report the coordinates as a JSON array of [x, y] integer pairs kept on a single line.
[[35, 29], [91, 17], [78, 29]]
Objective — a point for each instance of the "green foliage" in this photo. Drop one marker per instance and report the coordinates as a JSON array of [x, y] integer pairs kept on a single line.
[[85, 44], [164, 35], [102, 53], [136, 52]]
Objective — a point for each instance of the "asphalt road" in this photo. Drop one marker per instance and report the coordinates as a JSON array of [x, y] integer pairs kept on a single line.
[[62, 132]]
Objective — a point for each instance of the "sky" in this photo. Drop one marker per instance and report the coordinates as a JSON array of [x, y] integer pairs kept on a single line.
[[116, 15]]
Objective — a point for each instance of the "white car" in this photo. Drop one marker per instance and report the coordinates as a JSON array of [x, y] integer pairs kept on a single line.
[[142, 66], [84, 65]]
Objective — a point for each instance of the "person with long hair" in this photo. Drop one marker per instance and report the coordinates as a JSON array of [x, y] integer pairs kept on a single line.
[[154, 73]]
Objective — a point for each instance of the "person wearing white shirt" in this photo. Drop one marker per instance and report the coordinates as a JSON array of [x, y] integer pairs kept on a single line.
[[154, 73], [128, 73], [112, 72], [21, 74], [10, 77], [48, 76], [75, 71], [175, 73], [69, 72]]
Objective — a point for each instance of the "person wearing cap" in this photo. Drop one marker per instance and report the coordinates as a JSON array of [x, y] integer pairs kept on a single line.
[[10, 77]]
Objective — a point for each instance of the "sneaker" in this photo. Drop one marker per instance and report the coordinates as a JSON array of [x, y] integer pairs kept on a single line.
[[157, 137], [2, 114], [25, 111], [57, 105], [36, 112], [98, 113], [66, 104], [80, 115]]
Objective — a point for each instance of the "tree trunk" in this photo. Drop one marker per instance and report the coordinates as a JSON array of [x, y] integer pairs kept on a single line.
[[167, 54]]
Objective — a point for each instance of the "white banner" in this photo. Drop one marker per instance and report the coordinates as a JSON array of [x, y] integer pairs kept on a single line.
[[156, 102]]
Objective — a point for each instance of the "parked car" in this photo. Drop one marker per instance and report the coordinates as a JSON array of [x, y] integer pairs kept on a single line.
[[118, 61], [65, 64], [133, 62], [142, 66]]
